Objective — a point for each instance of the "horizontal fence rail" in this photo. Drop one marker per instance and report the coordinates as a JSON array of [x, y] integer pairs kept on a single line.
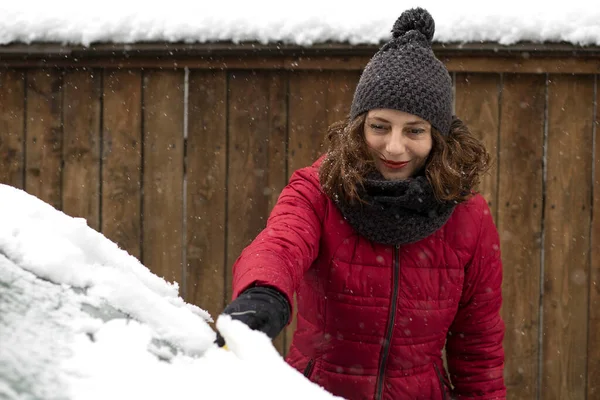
[[181, 166]]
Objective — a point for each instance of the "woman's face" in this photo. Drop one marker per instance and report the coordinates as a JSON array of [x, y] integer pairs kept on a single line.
[[398, 141]]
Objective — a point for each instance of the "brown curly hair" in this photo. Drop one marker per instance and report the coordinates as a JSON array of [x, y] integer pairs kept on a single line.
[[453, 168]]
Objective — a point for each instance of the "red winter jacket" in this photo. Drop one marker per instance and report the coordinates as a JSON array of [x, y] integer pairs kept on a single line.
[[373, 319]]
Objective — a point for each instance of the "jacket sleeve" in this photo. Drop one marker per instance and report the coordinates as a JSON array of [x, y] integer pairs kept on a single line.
[[282, 252], [474, 347]]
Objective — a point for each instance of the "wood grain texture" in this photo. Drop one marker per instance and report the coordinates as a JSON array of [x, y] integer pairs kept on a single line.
[[520, 200], [593, 356], [122, 159], [477, 104], [567, 236], [317, 99], [256, 151], [206, 166], [81, 145], [162, 210], [44, 135], [12, 132]]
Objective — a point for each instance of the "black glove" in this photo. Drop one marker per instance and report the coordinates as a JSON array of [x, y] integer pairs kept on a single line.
[[261, 308]]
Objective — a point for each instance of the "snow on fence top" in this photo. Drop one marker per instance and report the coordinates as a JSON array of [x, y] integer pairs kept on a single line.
[[302, 22]]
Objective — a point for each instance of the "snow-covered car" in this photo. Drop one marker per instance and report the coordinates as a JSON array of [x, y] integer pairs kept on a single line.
[[82, 319]]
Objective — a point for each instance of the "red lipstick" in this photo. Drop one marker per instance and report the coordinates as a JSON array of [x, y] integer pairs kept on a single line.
[[394, 164]]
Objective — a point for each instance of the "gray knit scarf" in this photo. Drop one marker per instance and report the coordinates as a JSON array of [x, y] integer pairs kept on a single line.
[[396, 212]]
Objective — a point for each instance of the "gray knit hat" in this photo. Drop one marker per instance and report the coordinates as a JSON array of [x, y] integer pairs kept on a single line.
[[405, 75]]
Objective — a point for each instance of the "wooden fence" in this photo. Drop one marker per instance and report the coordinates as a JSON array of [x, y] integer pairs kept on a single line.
[[179, 158]]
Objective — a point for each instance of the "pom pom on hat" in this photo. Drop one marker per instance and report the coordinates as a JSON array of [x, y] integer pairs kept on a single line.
[[416, 19]]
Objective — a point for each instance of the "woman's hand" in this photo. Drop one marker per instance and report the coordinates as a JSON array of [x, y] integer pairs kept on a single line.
[[261, 308]]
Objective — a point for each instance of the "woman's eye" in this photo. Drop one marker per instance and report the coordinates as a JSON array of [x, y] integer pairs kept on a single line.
[[377, 127], [417, 131]]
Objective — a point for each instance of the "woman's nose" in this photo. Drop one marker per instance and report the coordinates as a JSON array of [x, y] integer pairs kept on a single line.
[[396, 145]]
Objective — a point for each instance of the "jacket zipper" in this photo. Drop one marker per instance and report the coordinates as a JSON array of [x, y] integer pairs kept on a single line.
[[390, 329], [309, 368], [442, 381]]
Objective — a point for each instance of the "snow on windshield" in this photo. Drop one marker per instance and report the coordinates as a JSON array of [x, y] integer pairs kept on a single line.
[[82, 319]]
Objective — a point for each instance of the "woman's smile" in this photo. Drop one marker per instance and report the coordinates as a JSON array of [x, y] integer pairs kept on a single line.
[[394, 164]]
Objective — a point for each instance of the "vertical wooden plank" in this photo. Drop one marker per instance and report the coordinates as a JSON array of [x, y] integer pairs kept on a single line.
[[340, 91], [44, 135], [81, 145], [206, 168], [12, 115], [520, 226], [316, 100], [162, 233], [122, 158], [307, 119], [257, 132], [477, 102], [593, 375], [567, 236]]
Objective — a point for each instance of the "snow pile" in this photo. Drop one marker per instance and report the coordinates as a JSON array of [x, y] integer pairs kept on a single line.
[[65, 250], [82, 319], [303, 23]]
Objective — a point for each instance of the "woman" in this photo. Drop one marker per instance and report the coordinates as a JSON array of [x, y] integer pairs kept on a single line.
[[391, 253]]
